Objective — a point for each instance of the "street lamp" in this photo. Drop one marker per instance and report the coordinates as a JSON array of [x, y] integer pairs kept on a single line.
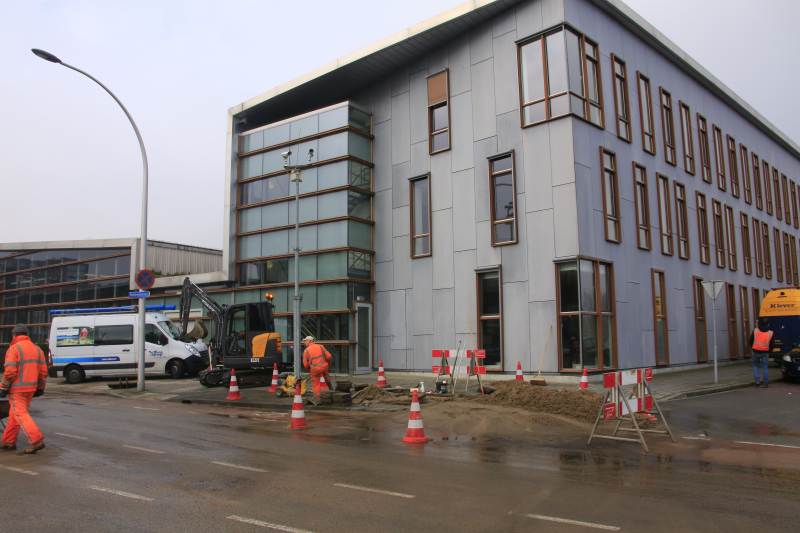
[[143, 240], [297, 176]]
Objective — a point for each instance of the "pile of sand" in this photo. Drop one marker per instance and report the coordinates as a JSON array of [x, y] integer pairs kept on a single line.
[[579, 404]]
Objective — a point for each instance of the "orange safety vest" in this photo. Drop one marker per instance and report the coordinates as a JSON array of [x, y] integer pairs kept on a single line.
[[25, 367], [316, 355], [761, 340]]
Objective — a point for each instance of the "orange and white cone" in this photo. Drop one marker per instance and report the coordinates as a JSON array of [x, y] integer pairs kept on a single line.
[[584, 380], [382, 376], [415, 433], [274, 386], [519, 371], [233, 394], [323, 383], [298, 420]]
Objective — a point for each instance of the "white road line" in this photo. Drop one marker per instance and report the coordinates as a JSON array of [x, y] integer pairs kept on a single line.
[[377, 491], [696, 438], [21, 471], [267, 524], [142, 449], [120, 493], [147, 408], [573, 522], [71, 436], [345, 427], [765, 444], [238, 466]]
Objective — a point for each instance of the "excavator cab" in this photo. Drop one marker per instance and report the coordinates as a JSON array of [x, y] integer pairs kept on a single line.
[[250, 338]]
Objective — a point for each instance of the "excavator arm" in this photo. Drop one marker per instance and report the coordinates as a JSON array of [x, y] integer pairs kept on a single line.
[[189, 291]]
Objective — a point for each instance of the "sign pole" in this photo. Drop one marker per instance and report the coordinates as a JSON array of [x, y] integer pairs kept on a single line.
[[713, 288]]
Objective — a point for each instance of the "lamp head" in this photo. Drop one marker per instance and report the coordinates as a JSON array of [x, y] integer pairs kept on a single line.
[[47, 56]]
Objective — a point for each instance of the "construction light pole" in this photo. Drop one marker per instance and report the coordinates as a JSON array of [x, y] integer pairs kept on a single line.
[[143, 239], [297, 177]]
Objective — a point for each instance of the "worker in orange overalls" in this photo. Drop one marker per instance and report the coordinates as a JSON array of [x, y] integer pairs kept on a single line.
[[24, 378], [316, 359]]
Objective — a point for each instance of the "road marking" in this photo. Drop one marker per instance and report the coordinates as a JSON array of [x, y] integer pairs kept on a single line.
[[238, 466], [142, 449], [377, 491], [697, 438], [120, 493], [267, 524], [573, 522], [345, 427], [71, 436], [765, 444], [147, 408], [21, 471]]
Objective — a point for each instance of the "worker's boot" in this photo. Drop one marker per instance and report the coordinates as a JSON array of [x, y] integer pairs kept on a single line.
[[7, 447], [35, 447], [313, 400]]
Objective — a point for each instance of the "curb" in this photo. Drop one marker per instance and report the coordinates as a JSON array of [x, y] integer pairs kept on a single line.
[[282, 406], [715, 390]]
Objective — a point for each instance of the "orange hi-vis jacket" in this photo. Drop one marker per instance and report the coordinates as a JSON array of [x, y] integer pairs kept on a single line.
[[761, 340], [25, 366], [316, 355]]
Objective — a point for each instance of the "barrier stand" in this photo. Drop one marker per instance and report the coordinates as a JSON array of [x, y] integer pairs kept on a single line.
[[443, 369], [616, 392]]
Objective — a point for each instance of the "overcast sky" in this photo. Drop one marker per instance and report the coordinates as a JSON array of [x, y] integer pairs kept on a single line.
[[69, 162]]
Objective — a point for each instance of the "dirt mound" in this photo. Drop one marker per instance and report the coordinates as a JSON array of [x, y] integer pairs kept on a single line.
[[374, 395], [581, 404]]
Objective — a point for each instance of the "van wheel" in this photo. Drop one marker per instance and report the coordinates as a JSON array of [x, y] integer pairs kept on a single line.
[[177, 369], [74, 374]]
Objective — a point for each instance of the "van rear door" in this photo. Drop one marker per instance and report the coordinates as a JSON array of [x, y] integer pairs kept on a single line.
[[114, 348]]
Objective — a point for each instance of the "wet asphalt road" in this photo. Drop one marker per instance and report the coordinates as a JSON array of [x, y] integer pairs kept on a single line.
[[198, 468]]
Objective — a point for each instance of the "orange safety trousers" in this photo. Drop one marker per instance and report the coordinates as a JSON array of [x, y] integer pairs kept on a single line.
[[18, 417], [319, 373]]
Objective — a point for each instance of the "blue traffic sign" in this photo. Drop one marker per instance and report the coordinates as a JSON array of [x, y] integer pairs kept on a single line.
[[145, 279], [139, 294]]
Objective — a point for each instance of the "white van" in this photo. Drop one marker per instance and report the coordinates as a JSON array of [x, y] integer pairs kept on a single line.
[[105, 345]]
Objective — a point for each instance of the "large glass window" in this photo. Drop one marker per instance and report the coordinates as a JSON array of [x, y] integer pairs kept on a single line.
[[700, 320], [330, 265], [745, 161], [586, 315], [702, 228], [705, 151], [322, 207], [621, 100], [611, 196], [642, 199], [439, 112], [646, 114], [719, 152], [337, 234], [660, 317], [732, 164], [560, 74], [668, 124], [682, 220], [490, 318], [730, 235], [503, 198], [748, 264], [664, 214], [719, 233], [421, 217]]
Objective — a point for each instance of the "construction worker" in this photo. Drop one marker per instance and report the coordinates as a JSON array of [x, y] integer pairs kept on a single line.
[[316, 359], [24, 378], [763, 342]]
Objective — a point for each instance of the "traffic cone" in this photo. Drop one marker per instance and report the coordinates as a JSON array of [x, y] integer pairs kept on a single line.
[[415, 433], [323, 384], [298, 414], [233, 394], [519, 370], [584, 380], [382, 376], [274, 386]]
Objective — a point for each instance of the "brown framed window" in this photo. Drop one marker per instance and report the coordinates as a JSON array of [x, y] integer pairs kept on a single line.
[[503, 198], [765, 247], [765, 292], [664, 215], [719, 232], [668, 126], [700, 320], [730, 234], [610, 195], [757, 181], [490, 317], [702, 227], [787, 199], [733, 165], [621, 100], [686, 135], [748, 191], [559, 73], [767, 185], [776, 182], [793, 246], [787, 258], [719, 153], [744, 303], [756, 304], [586, 315], [757, 248], [421, 242], [776, 239], [746, 253], [439, 112], [642, 200], [682, 220], [733, 337], [660, 326], [793, 189], [646, 113], [705, 150]]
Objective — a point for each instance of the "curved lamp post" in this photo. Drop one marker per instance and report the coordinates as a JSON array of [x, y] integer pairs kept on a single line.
[[143, 240]]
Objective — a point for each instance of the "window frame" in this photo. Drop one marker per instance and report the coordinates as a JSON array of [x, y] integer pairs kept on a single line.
[[745, 160], [787, 199], [719, 154], [662, 277], [699, 291], [759, 254], [744, 304], [757, 180], [436, 105], [705, 148], [642, 206], [626, 107], [746, 252], [719, 232], [643, 82], [668, 126], [776, 182], [787, 258], [733, 166], [795, 216], [756, 304], [793, 246], [412, 237], [492, 176], [730, 238], [733, 334], [682, 220], [608, 218], [776, 236], [688, 138], [481, 317], [766, 176], [765, 243], [664, 218], [702, 227]]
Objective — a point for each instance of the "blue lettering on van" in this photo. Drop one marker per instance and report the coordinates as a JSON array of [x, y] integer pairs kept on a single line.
[[156, 353], [780, 306], [63, 360]]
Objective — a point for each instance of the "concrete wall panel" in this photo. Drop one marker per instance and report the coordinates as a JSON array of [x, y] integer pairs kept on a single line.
[[458, 64], [503, 23], [464, 210], [482, 150], [488, 255], [422, 276], [383, 231], [542, 315], [401, 221], [400, 187], [441, 181], [515, 256], [401, 134], [444, 325], [536, 151], [420, 158], [382, 153], [418, 98], [480, 43], [465, 288], [384, 276], [442, 227], [566, 220], [484, 121], [516, 324], [423, 348], [402, 262], [506, 85], [461, 136], [541, 251]]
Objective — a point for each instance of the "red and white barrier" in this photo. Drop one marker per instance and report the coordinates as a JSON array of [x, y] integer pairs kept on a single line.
[[465, 359]]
